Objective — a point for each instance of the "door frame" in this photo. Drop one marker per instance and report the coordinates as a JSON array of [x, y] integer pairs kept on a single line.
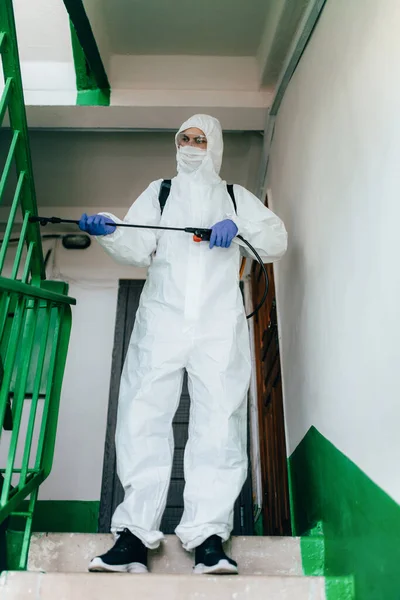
[[110, 477]]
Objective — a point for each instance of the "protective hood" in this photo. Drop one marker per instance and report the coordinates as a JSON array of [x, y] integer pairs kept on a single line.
[[208, 171]]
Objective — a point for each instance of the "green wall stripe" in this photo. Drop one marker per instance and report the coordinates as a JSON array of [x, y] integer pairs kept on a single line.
[[339, 588], [84, 32], [313, 555], [92, 98], [52, 516], [91, 78], [361, 523], [63, 516], [72, 516]]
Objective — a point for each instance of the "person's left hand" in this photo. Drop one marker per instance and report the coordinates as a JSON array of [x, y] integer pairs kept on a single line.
[[222, 234]]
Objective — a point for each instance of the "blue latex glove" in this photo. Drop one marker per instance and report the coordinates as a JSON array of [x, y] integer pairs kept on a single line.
[[223, 233], [96, 224]]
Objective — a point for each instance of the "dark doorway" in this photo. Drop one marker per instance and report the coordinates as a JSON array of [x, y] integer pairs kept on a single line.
[[112, 492]]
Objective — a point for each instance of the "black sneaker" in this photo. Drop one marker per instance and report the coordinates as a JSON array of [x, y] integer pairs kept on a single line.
[[210, 558], [128, 555]]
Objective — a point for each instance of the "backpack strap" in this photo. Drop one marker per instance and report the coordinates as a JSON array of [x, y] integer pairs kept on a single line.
[[164, 193], [165, 190], [229, 187]]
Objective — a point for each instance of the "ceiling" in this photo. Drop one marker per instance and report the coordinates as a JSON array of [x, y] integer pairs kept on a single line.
[[191, 27]]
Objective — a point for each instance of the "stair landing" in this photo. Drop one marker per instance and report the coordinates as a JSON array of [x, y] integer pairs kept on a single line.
[[77, 586], [270, 568], [69, 552]]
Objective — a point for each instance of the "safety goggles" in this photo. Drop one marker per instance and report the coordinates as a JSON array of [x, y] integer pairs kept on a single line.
[[199, 141]]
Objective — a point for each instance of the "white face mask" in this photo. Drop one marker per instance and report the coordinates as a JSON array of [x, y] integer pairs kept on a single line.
[[189, 158]]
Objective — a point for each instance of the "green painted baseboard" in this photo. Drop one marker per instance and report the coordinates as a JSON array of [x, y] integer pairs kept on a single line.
[[360, 522], [93, 97], [59, 516], [65, 516], [69, 515]]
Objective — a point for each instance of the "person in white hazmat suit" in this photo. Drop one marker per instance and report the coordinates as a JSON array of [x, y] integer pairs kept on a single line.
[[191, 316]]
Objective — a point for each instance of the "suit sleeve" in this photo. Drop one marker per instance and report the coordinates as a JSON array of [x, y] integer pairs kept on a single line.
[[135, 246], [259, 226]]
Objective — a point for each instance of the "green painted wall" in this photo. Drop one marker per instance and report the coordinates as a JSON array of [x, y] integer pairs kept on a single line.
[[56, 516], [66, 516], [88, 92], [358, 522], [59, 516]]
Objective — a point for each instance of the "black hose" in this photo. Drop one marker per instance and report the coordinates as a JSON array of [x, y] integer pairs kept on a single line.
[[46, 260], [265, 295]]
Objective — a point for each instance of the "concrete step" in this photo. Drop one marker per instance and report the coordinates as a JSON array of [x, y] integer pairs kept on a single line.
[[73, 586], [69, 552]]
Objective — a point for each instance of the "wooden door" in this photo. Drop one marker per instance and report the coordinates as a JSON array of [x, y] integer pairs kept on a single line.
[[276, 510]]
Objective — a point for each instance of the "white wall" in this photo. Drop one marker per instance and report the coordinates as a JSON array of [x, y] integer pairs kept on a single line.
[[76, 172], [334, 177], [93, 280], [110, 170]]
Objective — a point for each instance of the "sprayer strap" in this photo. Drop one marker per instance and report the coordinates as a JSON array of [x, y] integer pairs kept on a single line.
[[165, 190]]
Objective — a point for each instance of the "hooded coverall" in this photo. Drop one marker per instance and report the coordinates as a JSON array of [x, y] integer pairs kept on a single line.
[[191, 316]]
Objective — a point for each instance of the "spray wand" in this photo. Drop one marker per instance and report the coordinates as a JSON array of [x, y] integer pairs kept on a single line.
[[199, 235]]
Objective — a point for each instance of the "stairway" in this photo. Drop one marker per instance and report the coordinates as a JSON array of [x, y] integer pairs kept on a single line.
[[270, 568]]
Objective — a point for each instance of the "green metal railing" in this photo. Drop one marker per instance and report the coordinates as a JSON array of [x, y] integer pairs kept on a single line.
[[35, 320]]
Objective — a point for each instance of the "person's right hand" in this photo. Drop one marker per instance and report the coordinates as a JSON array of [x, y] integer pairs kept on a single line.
[[96, 224]]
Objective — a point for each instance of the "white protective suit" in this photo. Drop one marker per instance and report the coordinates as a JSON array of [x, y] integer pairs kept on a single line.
[[191, 316]]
